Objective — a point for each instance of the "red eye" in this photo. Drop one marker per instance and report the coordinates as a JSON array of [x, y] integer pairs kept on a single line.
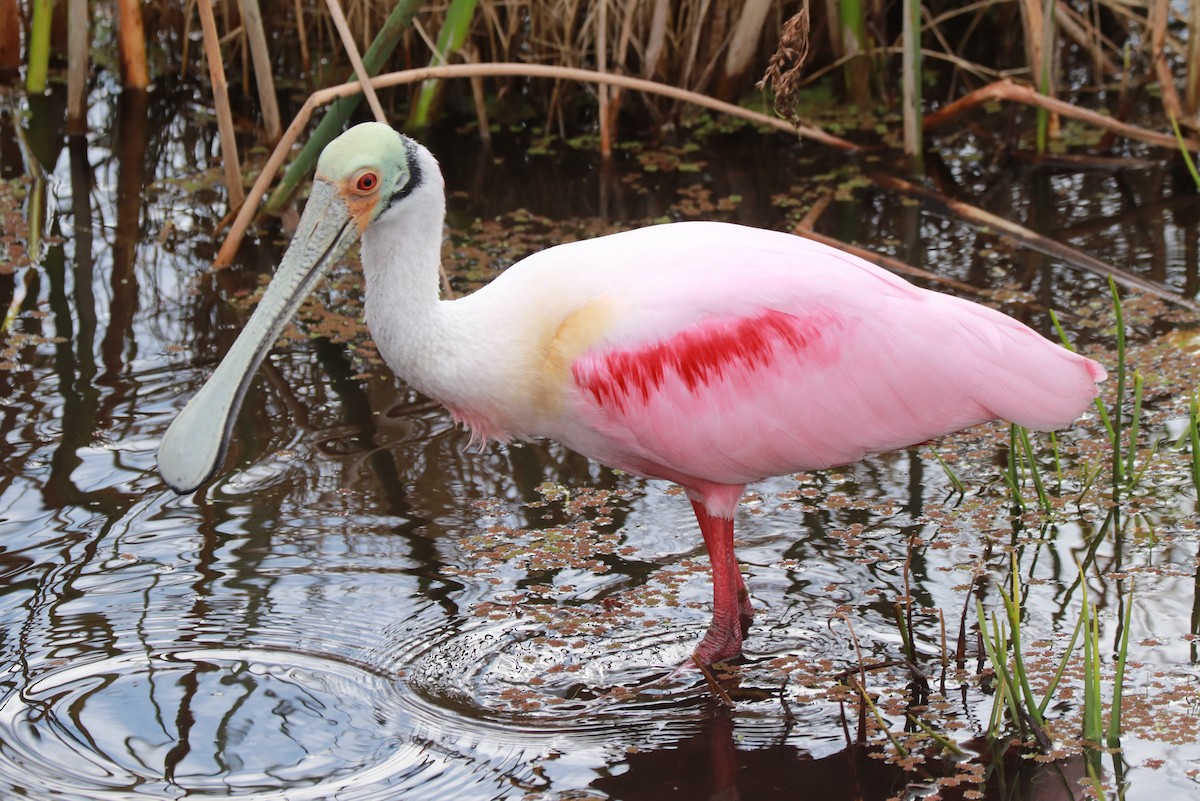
[[367, 182]]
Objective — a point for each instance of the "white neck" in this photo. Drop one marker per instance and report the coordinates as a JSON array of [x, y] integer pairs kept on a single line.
[[463, 353], [432, 344], [401, 252]]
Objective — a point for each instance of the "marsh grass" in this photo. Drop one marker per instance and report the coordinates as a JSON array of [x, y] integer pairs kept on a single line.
[[1033, 699], [1094, 733], [959, 487], [1014, 690], [1016, 704], [1193, 434], [1017, 708], [1183, 150], [721, 49], [1117, 419]]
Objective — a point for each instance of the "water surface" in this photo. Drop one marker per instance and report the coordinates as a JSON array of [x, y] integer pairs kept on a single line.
[[363, 607]]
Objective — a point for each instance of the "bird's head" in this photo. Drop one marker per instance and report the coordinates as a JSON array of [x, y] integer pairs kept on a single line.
[[363, 173], [360, 176]]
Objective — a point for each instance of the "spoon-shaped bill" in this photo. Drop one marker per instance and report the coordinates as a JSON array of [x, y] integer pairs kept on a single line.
[[195, 443]]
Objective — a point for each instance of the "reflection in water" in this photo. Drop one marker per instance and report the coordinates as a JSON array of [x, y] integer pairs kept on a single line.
[[131, 134], [332, 619], [762, 770]]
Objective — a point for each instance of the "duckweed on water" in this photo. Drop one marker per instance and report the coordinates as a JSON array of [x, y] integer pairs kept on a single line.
[[981, 534], [555, 574]]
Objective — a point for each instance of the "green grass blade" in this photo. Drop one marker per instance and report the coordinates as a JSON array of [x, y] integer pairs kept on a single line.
[[1062, 666], [1034, 472], [959, 487], [1194, 435], [1187, 157], [451, 37], [1134, 425], [1117, 425], [1114, 725]]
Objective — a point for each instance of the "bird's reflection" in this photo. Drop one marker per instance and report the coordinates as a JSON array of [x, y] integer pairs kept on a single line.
[[710, 765]]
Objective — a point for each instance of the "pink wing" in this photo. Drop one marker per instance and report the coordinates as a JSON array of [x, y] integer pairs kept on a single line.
[[773, 354]]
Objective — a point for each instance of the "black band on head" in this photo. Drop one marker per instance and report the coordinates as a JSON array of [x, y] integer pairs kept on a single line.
[[414, 177]]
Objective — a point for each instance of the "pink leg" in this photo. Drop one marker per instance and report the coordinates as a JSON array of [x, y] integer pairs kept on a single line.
[[732, 612], [745, 609]]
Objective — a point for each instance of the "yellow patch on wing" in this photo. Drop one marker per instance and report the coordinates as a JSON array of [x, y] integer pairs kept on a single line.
[[561, 345]]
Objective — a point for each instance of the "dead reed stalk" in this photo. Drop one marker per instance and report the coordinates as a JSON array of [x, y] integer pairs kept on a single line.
[[261, 58], [216, 75], [447, 71], [1007, 89]]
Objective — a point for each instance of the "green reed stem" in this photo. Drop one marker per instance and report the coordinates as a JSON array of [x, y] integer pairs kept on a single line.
[[999, 704], [866, 697], [1114, 724], [1036, 474], [1134, 424], [1044, 80], [941, 739], [1117, 426], [1093, 703], [996, 645], [451, 37], [39, 46], [340, 110], [1136, 479], [1087, 484], [959, 487], [1187, 157], [1062, 667], [1012, 604], [1093, 728], [1058, 473], [905, 635], [910, 82], [1013, 475], [1194, 435]]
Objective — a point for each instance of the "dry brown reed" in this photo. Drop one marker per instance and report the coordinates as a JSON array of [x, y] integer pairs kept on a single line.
[[722, 47]]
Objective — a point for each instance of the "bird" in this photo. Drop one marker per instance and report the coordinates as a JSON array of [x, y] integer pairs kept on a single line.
[[707, 354]]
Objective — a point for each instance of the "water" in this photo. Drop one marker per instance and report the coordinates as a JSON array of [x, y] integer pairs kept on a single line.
[[362, 607]]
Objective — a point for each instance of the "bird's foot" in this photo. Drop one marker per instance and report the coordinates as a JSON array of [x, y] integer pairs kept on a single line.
[[745, 613], [714, 686], [721, 642]]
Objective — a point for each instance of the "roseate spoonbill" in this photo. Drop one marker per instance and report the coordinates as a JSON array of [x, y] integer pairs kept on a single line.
[[703, 353]]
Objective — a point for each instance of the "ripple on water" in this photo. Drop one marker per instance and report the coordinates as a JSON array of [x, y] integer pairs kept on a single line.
[[205, 722], [508, 675], [272, 722]]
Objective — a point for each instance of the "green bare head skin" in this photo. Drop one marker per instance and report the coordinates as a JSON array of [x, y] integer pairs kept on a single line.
[[371, 166]]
